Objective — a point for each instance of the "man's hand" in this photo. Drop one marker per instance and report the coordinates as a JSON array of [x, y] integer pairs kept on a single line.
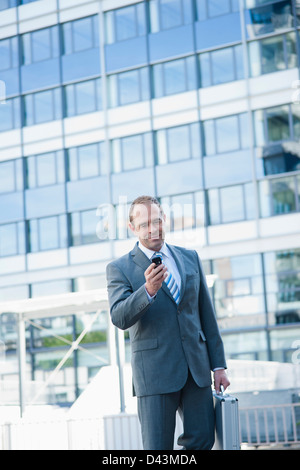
[[220, 378], [155, 276]]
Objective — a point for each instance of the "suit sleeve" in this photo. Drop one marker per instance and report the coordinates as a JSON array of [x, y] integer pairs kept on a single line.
[[126, 306], [209, 324]]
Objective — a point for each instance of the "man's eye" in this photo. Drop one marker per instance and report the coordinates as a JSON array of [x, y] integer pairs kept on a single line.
[[143, 226]]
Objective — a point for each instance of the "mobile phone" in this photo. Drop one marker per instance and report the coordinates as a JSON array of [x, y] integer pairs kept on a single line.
[[157, 260]]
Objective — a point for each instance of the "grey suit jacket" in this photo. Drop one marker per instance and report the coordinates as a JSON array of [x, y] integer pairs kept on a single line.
[[166, 339]]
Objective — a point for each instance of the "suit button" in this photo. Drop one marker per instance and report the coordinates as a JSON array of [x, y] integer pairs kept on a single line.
[[182, 338]]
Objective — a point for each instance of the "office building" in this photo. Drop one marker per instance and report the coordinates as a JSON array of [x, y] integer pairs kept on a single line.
[[194, 101]]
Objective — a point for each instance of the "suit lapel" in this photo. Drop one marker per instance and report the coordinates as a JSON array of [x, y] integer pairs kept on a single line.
[[140, 258]]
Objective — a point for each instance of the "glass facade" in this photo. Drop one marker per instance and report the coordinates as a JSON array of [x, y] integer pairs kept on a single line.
[[194, 101]]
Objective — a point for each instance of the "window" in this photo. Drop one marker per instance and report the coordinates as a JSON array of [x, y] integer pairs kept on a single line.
[[178, 143], [10, 115], [11, 176], [12, 239], [184, 211], [238, 289], [42, 107], [47, 233], [212, 8], [226, 134], [128, 87], [4, 4], [276, 124], [273, 54], [83, 97], [45, 169], [40, 45], [87, 161], [125, 23], [133, 152], [231, 204], [80, 35], [174, 77], [268, 18], [221, 66], [279, 196], [9, 53], [83, 227], [283, 285], [166, 14]]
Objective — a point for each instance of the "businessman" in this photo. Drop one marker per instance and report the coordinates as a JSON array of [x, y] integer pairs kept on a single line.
[[175, 340]]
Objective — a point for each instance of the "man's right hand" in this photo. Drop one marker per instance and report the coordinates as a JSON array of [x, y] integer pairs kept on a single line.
[[155, 276]]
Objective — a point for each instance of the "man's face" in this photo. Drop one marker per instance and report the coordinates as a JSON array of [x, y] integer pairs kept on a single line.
[[148, 225]]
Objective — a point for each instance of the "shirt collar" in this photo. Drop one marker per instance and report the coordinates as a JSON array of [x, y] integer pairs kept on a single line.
[[149, 253]]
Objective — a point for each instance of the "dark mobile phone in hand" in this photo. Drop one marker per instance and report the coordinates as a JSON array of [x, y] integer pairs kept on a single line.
[[157, 260]]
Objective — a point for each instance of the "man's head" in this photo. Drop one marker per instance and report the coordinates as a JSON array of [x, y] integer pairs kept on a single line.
[[147, 222]]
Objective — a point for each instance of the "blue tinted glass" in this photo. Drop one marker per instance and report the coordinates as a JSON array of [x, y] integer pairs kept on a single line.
[[129, 87], [70, 100], [82, 34], [171, 14], [41, 45], [132, 152], [227, 134], [125, 23], [5, 54], [88, 163], [46, 169], [8, 240], [222, 66], [85, 97], [43, 105], [67, 38], [239, 62], [209, 137], [213, 207], [232, 204], [157, 74], [140, 11], [174, 73], [205, 73], [179, 143], [48, 233], [7, 177], [88, 227], [4, 4], [10, 114], [218, 7], [269, 18]]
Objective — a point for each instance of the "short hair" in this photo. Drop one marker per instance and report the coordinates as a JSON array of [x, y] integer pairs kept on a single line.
[[143, 200]]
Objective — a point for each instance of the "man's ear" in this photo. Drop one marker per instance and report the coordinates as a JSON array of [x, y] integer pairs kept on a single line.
[[131, 226]]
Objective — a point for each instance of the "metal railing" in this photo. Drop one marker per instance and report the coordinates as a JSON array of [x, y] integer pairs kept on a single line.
[[259, 426], [270, 425]]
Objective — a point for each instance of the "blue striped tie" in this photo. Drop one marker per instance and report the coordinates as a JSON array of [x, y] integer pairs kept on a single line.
[[171, 283]]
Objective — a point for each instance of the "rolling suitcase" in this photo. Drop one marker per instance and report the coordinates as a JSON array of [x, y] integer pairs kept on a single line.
[[227, 435]]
